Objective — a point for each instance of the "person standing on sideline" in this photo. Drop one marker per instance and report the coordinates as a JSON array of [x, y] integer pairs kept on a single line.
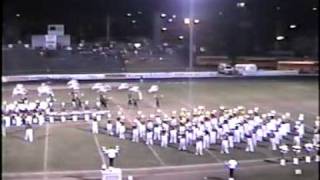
[[232, 164], [29, 133], [95, 126]]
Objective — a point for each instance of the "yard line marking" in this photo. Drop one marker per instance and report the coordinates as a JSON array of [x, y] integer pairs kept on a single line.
[[213, 155], [249, 162], [202, 171], [45, 159], [156, 155], [99, 149]]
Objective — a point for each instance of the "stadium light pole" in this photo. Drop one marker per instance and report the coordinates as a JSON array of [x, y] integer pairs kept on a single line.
[[191, 26]]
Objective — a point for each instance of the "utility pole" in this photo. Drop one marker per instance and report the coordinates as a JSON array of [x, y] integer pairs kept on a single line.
[[108, 28], [191, 34]]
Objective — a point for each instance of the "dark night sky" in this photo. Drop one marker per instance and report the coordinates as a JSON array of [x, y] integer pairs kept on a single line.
[[259, 22]]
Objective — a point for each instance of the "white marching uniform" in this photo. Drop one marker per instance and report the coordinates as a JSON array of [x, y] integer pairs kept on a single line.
[[156, 132], [164, 140], [206, 141], [7, 121], [250, 145], [264, 130], [254, 139], [297, 140], [87, 117], [149, 139], [118, 125], [75, 118], [41, 119], [237, 136], [301, 130], [182, 144], [135, 135], [259, 135], [224, 146], [213, 136], [189, 138], [19, 120], [35, 120], [241, 132], [273, 143], [199, 147], [173, 136], [316, 139], [231, 141], [109, 128], [29, 135], [122, 131], [95, 129], [142, 130]]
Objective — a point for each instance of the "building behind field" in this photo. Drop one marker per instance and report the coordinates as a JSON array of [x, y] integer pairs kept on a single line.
[[55, 38]]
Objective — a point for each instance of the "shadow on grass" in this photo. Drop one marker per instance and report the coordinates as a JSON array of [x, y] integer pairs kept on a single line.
[[213, 178], [82, 178]]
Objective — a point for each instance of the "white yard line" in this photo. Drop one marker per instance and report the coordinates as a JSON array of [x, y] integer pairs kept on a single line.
[[99, 149], [156, 155], [46, 145], [203, 171], [130, 170], [213, 156]]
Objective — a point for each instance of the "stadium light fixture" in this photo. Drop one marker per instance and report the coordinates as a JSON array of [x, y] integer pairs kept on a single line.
[[280, 38], [170, 20], [174, 16], [133, 21], [129, 14], [139, 12], [163, 15], [186, 21], [314, 9], [278, 8], [292, 26], [202, 49], [196, 21], [241, 4], [164, 29], [137, 45], [4, 79], [17, 15], [180, 37]]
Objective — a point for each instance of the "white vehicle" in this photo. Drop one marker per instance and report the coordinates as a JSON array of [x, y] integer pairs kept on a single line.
[[134, 89], [153, 89], [244, 69], [99, 87], [224, 68], [44, 90], [19, 90], [123, 86], [73, 84]]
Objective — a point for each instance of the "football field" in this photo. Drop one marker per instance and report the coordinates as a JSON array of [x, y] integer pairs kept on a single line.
[[66, 149]]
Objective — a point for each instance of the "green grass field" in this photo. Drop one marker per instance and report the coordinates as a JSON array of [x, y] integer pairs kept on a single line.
[[71, 146]]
